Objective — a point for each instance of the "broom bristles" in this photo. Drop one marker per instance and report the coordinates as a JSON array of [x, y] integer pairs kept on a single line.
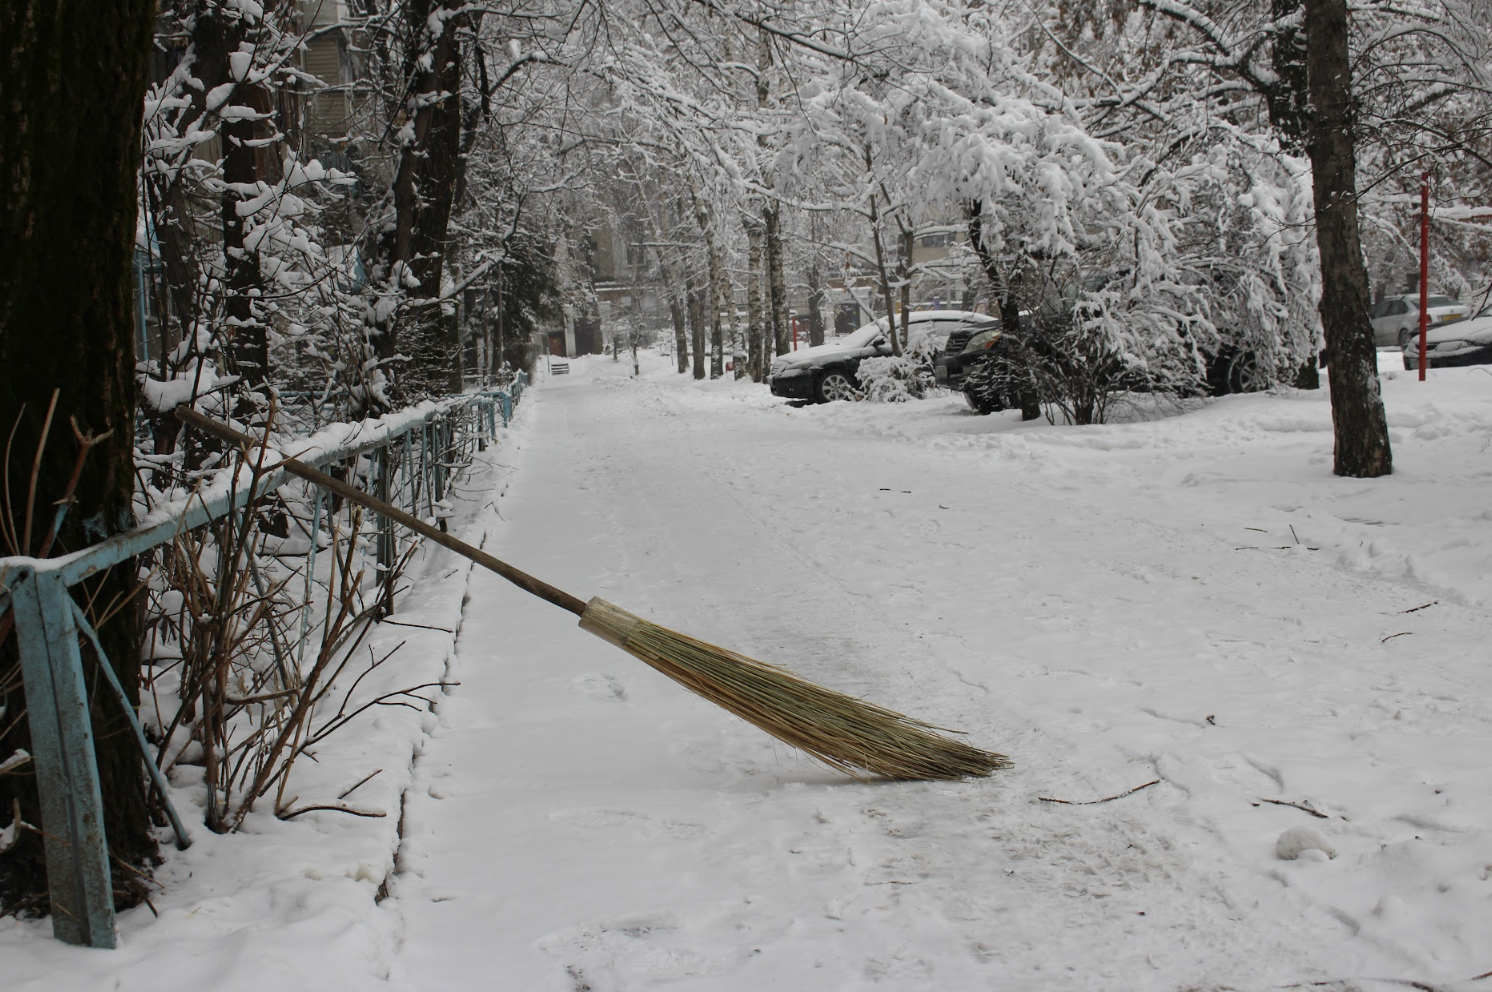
[[846, 733]]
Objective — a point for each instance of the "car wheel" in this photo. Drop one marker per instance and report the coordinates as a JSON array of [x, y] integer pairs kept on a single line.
[[1245, 375], [979, 405], [1405, 336], [1217, 373], [835, 385]]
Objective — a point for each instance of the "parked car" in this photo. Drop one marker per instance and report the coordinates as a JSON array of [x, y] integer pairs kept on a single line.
[[828, 371], [990, 366], [963, 349], [1467, 342], [1396, 318]]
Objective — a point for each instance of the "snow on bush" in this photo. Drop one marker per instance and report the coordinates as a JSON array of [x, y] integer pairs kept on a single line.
[[892, 380]]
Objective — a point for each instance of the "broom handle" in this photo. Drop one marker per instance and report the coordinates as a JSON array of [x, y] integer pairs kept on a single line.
[[521, 579]]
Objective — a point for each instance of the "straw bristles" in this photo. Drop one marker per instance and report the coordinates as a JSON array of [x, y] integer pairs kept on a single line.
[[846, 733]]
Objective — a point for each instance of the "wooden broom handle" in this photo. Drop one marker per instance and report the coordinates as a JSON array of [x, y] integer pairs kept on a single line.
[[521, 579]]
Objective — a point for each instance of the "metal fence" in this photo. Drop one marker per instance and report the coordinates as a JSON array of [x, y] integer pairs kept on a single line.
[[409, 460]]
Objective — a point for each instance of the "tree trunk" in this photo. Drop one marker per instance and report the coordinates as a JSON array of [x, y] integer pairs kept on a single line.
[[72, 82], [815, 307], [1358, 420], [881, 273], [1004, 291], [722, 294], [677, 298], [246, 339], [717, 334], [775, 327], [496, 347], [755, 329], [904, 273], [413, 248], [777, 283], [885, 280], [680, 334], [696, 297], [170, 207], [174, 211]]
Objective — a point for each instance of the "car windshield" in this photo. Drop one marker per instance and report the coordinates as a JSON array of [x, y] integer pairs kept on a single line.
[[1442, 301], [982, 339], [864, 336]]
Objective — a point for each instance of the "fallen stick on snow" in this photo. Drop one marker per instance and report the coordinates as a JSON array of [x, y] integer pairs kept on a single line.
[[1095, 802], [1303, 807]]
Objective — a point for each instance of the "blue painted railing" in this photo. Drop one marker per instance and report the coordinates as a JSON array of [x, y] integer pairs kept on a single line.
[[410, 464]]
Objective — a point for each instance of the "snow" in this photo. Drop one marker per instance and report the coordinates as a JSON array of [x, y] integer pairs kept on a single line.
[[239, 63], [1298, 841], [1187, 598]]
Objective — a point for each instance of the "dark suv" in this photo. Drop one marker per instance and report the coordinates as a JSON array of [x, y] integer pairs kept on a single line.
[[828, 372], [992, 368], [964, 348]]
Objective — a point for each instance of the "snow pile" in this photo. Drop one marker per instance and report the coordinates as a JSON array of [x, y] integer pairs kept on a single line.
[[1298, 842]]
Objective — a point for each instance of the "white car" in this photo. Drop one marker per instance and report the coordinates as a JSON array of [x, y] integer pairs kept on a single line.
[[1466, 342], [1396, 318]]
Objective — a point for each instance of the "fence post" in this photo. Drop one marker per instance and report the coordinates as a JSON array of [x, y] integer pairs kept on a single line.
[[425, 469], [388, 550], [438, 461], [72, 806]]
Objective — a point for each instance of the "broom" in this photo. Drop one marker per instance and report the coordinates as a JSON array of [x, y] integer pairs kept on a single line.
[[854, 736]]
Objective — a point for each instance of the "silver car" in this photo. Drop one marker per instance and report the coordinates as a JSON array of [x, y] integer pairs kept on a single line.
[[1466, 342], [1396, 318]]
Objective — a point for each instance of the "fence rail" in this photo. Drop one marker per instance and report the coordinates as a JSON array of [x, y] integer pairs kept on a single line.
[[408, 459]]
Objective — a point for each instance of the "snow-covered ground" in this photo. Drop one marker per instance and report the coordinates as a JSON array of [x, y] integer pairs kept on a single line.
[[1189, 604]]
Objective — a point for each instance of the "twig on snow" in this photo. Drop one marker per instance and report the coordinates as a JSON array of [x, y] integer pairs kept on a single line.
[[1278, 547], [1422, 606], [1304, 806], [362, 782], [335, 808], [422, 626], [1390, 637], [1406, 982], [1094, 802]]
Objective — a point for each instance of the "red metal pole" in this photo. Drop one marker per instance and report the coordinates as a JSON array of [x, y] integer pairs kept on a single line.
[[795, 333], [1424, 272]]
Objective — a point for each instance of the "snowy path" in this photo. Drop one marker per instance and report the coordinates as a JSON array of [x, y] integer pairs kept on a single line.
[[1189, 600], [583, 824]]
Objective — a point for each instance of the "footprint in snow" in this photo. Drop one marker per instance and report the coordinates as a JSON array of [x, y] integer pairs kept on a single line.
[[602, 687], [600, 817], [632, 952]]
